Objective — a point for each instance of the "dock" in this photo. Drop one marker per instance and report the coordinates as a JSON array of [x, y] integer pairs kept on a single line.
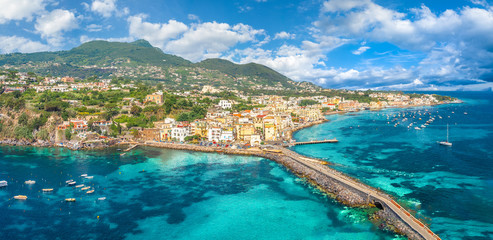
[[131, 147], [334, 140]]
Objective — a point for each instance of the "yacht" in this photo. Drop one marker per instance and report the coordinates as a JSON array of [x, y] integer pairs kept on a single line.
[[85, 188], [446, 143], [20, 197], [29, 182], [3, 183]]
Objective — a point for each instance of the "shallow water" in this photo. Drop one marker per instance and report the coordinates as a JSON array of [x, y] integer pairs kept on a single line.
[[166, 194]]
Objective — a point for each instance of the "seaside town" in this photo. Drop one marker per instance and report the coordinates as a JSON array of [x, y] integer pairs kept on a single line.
[[101, 112]]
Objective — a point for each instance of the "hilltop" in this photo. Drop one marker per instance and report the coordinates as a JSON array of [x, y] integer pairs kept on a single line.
[[139, 60]]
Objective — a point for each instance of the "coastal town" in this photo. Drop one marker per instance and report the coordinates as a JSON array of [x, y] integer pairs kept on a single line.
[[207, 115]]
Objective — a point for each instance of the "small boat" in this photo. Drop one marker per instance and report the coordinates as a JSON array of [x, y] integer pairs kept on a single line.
[[89, 177], [69, 199], [71, 180], [417, 128], [83, 175], [465, 113], [85, 188], [446, 143], [102, 198], [90, 191], [20, 197], [71, 183], [79, 186], [29, 182], [423, 126], [47, 189], [3, 183]]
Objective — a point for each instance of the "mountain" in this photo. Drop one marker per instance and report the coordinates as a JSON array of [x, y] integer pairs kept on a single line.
[[140, 60], [251, 69]]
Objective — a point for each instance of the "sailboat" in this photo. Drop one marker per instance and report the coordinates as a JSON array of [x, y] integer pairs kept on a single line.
[[446, 143]]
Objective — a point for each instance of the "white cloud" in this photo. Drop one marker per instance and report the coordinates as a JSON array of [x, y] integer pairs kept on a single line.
[[360, 50], [20, 9], [197, 41], [94, 28], [211, 39], [303, 63], [457, 44], [193, 17], [104, 8], [284, 35], [158, 34], [52, 25], [85, 38], [10, 44]]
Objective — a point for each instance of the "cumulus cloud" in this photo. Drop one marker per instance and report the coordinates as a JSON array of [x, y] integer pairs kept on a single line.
[[284, 35], [195, 42], [211, 39], [158, 34], [302, 63], [457, 44], [11, 44], [20, 9], [104, 8], [52, 25]]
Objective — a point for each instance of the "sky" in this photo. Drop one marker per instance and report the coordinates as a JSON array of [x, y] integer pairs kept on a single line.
[[351, 44]]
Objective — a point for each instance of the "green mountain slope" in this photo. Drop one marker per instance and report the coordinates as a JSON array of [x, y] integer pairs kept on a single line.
[[269, 76], [139, 60]]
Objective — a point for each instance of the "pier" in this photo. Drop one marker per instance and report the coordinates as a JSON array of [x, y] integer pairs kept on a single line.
[[334, 140], [131, 147]]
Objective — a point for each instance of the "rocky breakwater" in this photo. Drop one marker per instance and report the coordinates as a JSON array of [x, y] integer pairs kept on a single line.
[[344, 189]]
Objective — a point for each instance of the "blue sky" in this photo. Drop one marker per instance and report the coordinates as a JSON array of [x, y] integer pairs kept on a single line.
[[355, 44]]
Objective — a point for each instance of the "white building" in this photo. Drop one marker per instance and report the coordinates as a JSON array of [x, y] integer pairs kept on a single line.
[[255, 140], [225, 104], [214, 134], [179, 133], [227, 135]]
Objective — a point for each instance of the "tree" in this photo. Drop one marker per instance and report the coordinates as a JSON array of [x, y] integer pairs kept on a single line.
[[135, 110], [306, 102], [68, 133], [23, 119]]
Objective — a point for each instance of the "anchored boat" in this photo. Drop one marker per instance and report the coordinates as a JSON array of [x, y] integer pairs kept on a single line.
[[446, 143], [20, 197]]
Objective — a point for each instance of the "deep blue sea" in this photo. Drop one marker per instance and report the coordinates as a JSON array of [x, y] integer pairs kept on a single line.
[[167, 194]]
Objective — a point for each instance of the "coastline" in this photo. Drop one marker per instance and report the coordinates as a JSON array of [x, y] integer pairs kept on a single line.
[[337, 190]]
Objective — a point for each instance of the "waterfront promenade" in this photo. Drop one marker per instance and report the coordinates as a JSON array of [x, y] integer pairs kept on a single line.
[[345, 189]]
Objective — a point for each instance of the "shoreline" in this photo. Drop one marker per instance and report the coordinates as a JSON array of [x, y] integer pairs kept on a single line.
[[337, 190]]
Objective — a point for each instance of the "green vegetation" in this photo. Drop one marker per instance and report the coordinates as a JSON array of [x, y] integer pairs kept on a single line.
[[307, 102]]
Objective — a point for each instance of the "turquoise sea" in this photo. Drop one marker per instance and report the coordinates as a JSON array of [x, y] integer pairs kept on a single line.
[[167, 194]]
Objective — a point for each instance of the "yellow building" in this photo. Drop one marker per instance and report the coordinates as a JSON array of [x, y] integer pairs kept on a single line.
[[244, 131], [270, 132], [156, 97]]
